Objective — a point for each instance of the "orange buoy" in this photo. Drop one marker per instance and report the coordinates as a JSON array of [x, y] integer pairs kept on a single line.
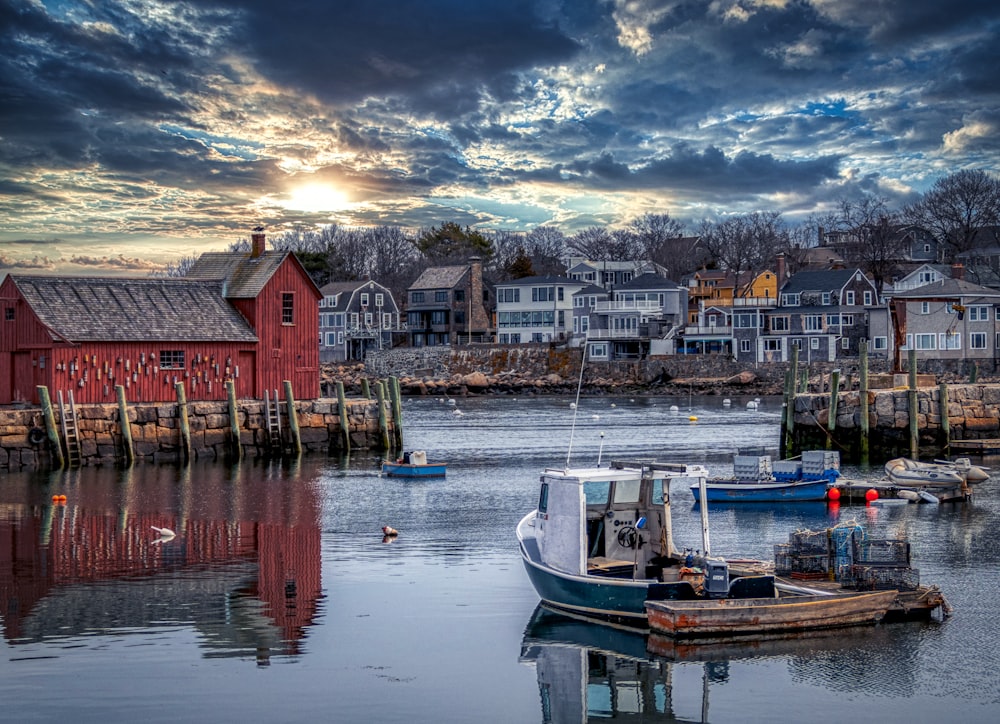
[[871, 494], [833, 494]]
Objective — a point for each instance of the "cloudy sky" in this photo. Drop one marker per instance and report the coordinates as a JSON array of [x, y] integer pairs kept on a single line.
[[135, 132]]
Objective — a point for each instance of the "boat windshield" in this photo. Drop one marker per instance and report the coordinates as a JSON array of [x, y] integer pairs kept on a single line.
[[597, 492], [627, 491], [658, 492]]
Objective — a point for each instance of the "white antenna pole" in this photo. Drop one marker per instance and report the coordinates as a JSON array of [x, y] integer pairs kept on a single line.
[[576, 405], [600, 451]]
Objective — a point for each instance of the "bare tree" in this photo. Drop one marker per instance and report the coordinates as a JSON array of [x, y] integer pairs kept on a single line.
[[957, 207], [546, 247], [653, 232], [592, 243], [179, 269], [876, 237], [507, 247], [745, 243]]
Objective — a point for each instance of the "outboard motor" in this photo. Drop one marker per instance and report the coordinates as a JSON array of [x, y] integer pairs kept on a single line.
[[716, 578]]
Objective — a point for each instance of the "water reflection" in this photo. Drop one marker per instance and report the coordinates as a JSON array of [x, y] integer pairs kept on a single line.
[[243, 569], [590, 671]]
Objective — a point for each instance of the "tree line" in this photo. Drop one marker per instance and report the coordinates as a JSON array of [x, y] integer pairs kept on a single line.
[[956, 211]]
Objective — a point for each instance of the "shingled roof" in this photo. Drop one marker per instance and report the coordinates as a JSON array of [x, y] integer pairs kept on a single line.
[[133, 310], [244, 275], [440, 277]]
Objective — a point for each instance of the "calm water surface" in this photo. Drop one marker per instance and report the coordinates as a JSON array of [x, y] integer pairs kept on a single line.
[[279, 601]]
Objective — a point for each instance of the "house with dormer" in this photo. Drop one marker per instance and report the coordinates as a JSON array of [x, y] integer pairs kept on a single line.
[[356, 318], [822, 312], [449, 305], [642, 317], [611, 274]]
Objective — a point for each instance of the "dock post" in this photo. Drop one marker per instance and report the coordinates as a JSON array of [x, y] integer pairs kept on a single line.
[[182, 413], [293, 418], [342, 407], [795, 368], [831, 420], [397, 410], [236, 447], [55, 445], [973, 373], [863, 401], [366, 391], [912, 404], [788, 418], [945, 424], [383, 424], [125, 425]]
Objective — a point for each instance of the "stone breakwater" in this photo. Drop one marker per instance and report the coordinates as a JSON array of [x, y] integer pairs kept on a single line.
[[973, 413], [156, 431]]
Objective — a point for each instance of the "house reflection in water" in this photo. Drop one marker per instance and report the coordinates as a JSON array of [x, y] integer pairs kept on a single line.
[[243, 569]]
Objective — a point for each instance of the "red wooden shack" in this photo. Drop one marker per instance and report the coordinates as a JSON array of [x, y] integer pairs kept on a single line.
[[250, 317]]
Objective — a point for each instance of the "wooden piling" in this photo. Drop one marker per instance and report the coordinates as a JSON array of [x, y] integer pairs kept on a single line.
[[293, 418], [383, 424], [55, 445], [974, 373], [945, 424], [863, 403], [342, 407], [788, 417], [126, 426], [795, 368], [365, 389], [831, 420], [912, 404], [397, 411], [235, 445], [182, 414]]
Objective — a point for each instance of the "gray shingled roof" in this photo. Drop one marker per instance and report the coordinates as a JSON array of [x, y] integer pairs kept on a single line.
[[532, 281], [818, 280], [647, 281], [440, 277], [948, 288], [244, 276], [133, 310]]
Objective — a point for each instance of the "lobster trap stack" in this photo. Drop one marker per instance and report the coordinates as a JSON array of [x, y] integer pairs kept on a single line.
[[845, 554]]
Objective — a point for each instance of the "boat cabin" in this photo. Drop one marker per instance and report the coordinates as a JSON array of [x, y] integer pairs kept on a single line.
[[609, 521]]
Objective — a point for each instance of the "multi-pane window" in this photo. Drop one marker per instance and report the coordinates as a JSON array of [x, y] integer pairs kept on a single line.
[[772, 345], [171, 359], [386, 320], [416, 297], [509, 295], [744, 345], [287, 308], [379, 300], [542, 294], [813, 322], [977, 340], [779, 324], [331, 339], [869, 298], [926, 341], [364, 300], [440, 317], [440, 296], [8, 314], [849, 298], [880, 343], [950, 340], [979, 313], [925, 307], [459, 295]]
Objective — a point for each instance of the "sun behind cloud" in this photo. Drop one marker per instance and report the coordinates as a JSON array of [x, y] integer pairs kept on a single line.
[[315, 198]]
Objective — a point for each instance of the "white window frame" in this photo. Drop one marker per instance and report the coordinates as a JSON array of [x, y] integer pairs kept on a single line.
[[814, 343], [849, 298], [977, 340], [926, 341], [950, 340], [979, 313], [364, 299], [868, 297], [379, 300]]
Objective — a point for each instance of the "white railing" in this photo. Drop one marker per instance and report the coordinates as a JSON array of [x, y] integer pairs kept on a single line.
[[625, 306], [717, 329]]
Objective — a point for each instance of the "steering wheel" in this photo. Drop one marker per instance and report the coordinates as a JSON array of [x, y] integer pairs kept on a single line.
[[627, 536]]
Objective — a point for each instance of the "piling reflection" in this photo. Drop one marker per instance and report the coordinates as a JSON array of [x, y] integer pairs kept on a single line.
[[243, 568], [590, 671]]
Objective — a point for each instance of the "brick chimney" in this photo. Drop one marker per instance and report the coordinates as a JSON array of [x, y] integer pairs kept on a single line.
[[780, 271], [257, 242], [957, 271]]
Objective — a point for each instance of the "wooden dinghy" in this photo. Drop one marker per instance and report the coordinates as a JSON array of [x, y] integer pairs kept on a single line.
[[734, 616]]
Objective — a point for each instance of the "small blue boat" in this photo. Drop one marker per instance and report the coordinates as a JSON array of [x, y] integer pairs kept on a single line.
[[414, 465], [755, 480]]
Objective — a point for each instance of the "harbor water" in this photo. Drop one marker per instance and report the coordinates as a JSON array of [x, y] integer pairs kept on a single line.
[[279, 600]]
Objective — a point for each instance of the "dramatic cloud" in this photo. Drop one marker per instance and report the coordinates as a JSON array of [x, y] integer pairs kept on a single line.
[[138, 130]]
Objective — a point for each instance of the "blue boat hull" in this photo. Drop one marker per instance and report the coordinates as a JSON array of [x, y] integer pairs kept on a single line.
[[770, 492], [406, 470]]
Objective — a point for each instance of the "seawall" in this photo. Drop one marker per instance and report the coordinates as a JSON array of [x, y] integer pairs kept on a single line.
[[972, 413], [157, 437]]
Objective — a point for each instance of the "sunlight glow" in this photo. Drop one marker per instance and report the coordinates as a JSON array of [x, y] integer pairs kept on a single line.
[[315, 198]]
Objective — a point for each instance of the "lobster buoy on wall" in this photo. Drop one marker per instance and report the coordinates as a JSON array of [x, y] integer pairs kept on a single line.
[[36, 436]]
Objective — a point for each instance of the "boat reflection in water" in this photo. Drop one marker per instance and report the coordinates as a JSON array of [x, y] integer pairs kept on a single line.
[[592, 671]]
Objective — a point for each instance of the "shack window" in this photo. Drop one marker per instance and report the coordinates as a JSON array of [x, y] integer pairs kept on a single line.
[[287, 308], [658, 492], [597, 492], [543, 499], [8, 314], [627, 491], [171, 359]]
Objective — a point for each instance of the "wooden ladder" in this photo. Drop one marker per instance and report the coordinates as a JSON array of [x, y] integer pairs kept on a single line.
[[71, 434], [273, 418]]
